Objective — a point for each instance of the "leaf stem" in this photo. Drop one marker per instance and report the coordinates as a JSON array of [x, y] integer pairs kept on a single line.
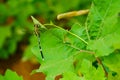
[[87, 31], [86, 28], [68, 32], [90, 52], [100, 62], [80, 50]]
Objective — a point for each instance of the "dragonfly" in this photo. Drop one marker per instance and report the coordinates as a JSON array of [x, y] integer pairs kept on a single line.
[[37, 28]]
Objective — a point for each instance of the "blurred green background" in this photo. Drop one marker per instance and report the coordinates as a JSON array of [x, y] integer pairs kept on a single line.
[[16, 26]]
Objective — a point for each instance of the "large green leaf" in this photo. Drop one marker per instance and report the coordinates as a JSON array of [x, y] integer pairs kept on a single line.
[[57, 54], [53, 46], [59, 46], [103, 27], [103, 17], [105, 46]]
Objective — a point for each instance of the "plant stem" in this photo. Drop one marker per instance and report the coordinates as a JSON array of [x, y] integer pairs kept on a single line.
[[86, 27], [87, 31], [90, 52]]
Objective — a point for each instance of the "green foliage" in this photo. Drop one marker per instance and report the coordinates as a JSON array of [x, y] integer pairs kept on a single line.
[[15, 15], [10, 75], [89, 50], [103, 27], [27, 53], [112, 62], [79, 30], [103, 18], [14, 18], [71, 53], [8, 41], [52, 59], [53, 68], [6, 33], [71, 76], [90, 72]]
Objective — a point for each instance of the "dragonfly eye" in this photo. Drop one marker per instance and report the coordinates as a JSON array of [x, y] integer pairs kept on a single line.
[[37, 25]]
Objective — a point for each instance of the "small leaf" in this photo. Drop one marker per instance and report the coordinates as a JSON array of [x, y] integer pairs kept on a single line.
[[71, 76], [53, 68], [100, 47], [91, 73], [5, 32], [103, 18], [105, 46], [112, 62], [10, 75]]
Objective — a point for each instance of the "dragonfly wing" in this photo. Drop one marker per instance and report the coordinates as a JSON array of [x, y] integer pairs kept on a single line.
[[35, 21]]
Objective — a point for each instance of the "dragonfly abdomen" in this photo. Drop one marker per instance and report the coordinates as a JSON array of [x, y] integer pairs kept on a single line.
[[40, 47], [37, 33]]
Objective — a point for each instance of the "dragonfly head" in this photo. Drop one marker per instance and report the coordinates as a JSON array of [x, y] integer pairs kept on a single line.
[[37, 25]]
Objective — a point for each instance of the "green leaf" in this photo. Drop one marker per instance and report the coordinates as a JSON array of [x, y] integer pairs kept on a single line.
[[112, 62], [78, 30], [71, 76], [103, 18], [1, 77], [59, 45], [56, 48], [105, 46], [110, 17], [27, 53], [13, 46], [79, 60], [5, 32], [4, 54], [36, 52], [53, 68], [10, 75], [103, 27], [100, 47], [91, 73], [58, 55], [111, 77], [113, 40]]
